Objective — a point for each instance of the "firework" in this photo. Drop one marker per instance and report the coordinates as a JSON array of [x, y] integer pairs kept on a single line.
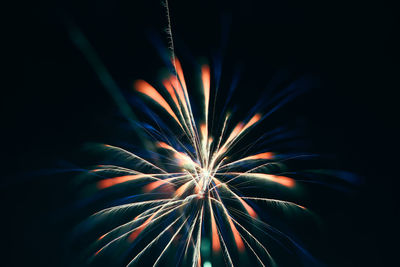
[[190, 198], [186, 196]]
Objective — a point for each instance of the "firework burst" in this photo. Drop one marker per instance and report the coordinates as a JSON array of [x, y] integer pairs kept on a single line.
[[197, 193], [190, 188]]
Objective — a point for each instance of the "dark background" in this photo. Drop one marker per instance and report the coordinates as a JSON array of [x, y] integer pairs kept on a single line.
[[56, 103]]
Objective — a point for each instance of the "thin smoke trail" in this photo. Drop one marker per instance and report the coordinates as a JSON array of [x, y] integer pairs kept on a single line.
[[169, 34]]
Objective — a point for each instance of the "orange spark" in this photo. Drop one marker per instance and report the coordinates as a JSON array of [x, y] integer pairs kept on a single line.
[[205, 76], [236, 236], [101, 237], [97, 252], [175, 83], [203, 130], [236, 131], [247, 207], [283, 180], [136, 232], [182, 158], [145, 88], [180, 73], [153, 185], [253, 120], [216, 181], [199, 261], [117, 180], [266, 155], [179, 192], [216, 245], [165, 145], [170, 89]]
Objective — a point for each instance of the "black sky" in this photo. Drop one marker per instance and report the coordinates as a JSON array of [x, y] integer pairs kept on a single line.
[[56, 103]]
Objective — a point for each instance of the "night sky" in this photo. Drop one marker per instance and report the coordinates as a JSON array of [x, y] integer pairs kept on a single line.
[[56, 104]]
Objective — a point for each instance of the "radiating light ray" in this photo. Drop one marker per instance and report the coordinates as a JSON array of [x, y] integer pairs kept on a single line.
[[249, 233], [168, 85], [283, 180], [256, 223], [135, 220], [182, 101], [152, 242], [180, 155], [182, 189], [132, 156], [286, 181], [147, 89], [180, 83], [205, 75], [140, 227], [216, 244], [277, 201], [196, 255], [123, 179], [260, 156], [190, 233], [134, 229], [252, 250], [257, 241], [226, 251], [170, 241], [235, 232], [130, 205]]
